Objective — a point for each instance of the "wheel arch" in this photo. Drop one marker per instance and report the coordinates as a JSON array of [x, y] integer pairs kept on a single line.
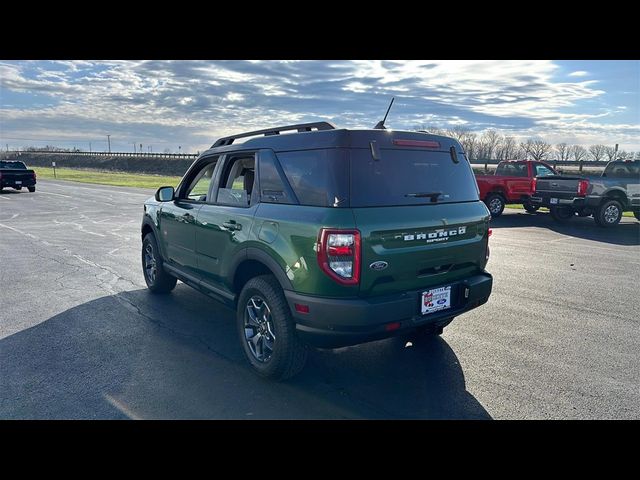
[[255, 263]]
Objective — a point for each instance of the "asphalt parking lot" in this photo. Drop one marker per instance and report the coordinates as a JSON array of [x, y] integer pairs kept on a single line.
[[80, 336]]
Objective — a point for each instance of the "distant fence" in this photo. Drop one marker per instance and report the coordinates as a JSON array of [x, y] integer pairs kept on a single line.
[[13, 153]]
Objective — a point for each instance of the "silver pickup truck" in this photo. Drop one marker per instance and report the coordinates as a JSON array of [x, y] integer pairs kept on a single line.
[[605, 197]]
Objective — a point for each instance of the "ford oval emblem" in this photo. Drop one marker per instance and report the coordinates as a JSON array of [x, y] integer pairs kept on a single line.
[[378, 265]]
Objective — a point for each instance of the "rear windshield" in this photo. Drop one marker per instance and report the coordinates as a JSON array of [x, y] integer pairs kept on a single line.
[[342, 177], [13, 165], [406, 177], [622, 170]]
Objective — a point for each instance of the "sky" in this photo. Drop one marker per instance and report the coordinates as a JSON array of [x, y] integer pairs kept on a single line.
[[184, 105]]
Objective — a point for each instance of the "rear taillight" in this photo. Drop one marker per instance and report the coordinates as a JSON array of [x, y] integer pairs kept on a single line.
[[583, 185], [534, 184], [339, 255]]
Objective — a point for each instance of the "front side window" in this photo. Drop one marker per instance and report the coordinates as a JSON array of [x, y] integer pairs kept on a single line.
[[542, 171], [198, 188], [237, 181]]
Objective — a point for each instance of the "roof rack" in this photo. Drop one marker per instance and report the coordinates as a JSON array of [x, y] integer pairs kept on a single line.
[[301, 127]]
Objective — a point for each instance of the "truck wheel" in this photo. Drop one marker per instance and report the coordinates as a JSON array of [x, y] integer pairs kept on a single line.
[[495, 204], [267, 331], [562, 214], [32, 189], [530, 208], [157, 279], [608, 214]]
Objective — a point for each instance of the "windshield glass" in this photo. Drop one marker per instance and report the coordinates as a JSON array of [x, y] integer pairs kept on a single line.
[[13, 165], [409, 177]]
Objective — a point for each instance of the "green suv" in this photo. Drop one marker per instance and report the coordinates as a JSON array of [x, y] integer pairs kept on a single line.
[[324, 237]]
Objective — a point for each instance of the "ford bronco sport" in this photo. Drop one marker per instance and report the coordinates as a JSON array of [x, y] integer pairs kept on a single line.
[[324, 237]]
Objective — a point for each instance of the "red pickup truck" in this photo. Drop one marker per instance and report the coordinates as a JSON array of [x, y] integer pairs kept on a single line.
[[513, 182]]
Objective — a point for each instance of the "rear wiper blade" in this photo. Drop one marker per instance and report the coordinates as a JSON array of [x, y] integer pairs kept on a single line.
[[433, 195]]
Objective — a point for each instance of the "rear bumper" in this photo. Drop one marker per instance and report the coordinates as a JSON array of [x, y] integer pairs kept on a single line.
[[545, 201], [333, 322], [10, 183]]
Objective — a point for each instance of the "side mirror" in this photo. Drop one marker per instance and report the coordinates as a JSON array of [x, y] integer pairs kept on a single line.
[[560, 171], [165, 194]]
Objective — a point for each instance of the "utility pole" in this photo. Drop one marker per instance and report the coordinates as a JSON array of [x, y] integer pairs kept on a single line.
[[615, 155], [89, 147], [134, 147], [109, 142]]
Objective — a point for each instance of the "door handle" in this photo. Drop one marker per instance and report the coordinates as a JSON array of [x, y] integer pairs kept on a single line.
[[232, 225]]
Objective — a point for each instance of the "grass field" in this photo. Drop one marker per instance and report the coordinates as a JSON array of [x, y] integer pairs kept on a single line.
[[119, 179]]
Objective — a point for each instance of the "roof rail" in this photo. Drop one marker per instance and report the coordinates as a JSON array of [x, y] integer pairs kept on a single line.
[[301, 127]]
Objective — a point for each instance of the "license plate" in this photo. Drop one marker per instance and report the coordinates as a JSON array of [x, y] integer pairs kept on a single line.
[[18, 182], [436, 299], [554, 201]]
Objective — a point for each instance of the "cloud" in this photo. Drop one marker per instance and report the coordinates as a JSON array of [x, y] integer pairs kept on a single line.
[[579, 73], [191, 103]]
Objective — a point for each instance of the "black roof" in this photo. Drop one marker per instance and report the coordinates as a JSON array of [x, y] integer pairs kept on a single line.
[[327, 136]]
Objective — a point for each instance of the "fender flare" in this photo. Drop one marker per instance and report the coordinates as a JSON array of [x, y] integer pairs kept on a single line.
[[261, 256]]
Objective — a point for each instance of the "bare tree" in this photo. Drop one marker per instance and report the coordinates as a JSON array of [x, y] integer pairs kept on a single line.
[[610, 152], [508, 149], [597, 152], [578, 152], [564, 151], [488, 144], [469, 143], [536, 149]]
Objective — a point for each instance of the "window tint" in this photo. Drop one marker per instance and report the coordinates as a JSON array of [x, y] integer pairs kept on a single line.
[[318, 177], [512, 170], [272, 187], [199, 186], [400, 177], [13, 165], [623, 170], [542, 171], [236, 183]]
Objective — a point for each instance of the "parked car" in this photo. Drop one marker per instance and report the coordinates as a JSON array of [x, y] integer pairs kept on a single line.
[[512, 183], [324, 237], [605, 197], [16, 175]]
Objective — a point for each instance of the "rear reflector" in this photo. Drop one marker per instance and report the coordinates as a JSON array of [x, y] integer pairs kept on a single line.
[[302, 308], [417, 143], [392, 326], [489, 232]]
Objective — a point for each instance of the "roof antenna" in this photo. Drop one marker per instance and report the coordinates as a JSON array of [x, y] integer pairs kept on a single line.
[[380, 124]]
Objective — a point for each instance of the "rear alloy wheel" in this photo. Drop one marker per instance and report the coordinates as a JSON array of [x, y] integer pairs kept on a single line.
[[267, 331], [495, 204], [608, 214], [530, 208], [562, 214]]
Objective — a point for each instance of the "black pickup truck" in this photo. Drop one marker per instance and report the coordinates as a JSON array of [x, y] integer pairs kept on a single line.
[[16, 175], [606, 197]]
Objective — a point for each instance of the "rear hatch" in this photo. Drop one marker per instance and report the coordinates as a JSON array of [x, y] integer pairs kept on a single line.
[[558, 186], [419, 217]]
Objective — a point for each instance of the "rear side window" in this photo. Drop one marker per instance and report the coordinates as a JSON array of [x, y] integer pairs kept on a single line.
[[404, 177], [512, 170], [318, 177], [272, 187]]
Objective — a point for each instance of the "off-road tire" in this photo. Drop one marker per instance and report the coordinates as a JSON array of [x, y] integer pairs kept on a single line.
[[162, 282], [289, 353]]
